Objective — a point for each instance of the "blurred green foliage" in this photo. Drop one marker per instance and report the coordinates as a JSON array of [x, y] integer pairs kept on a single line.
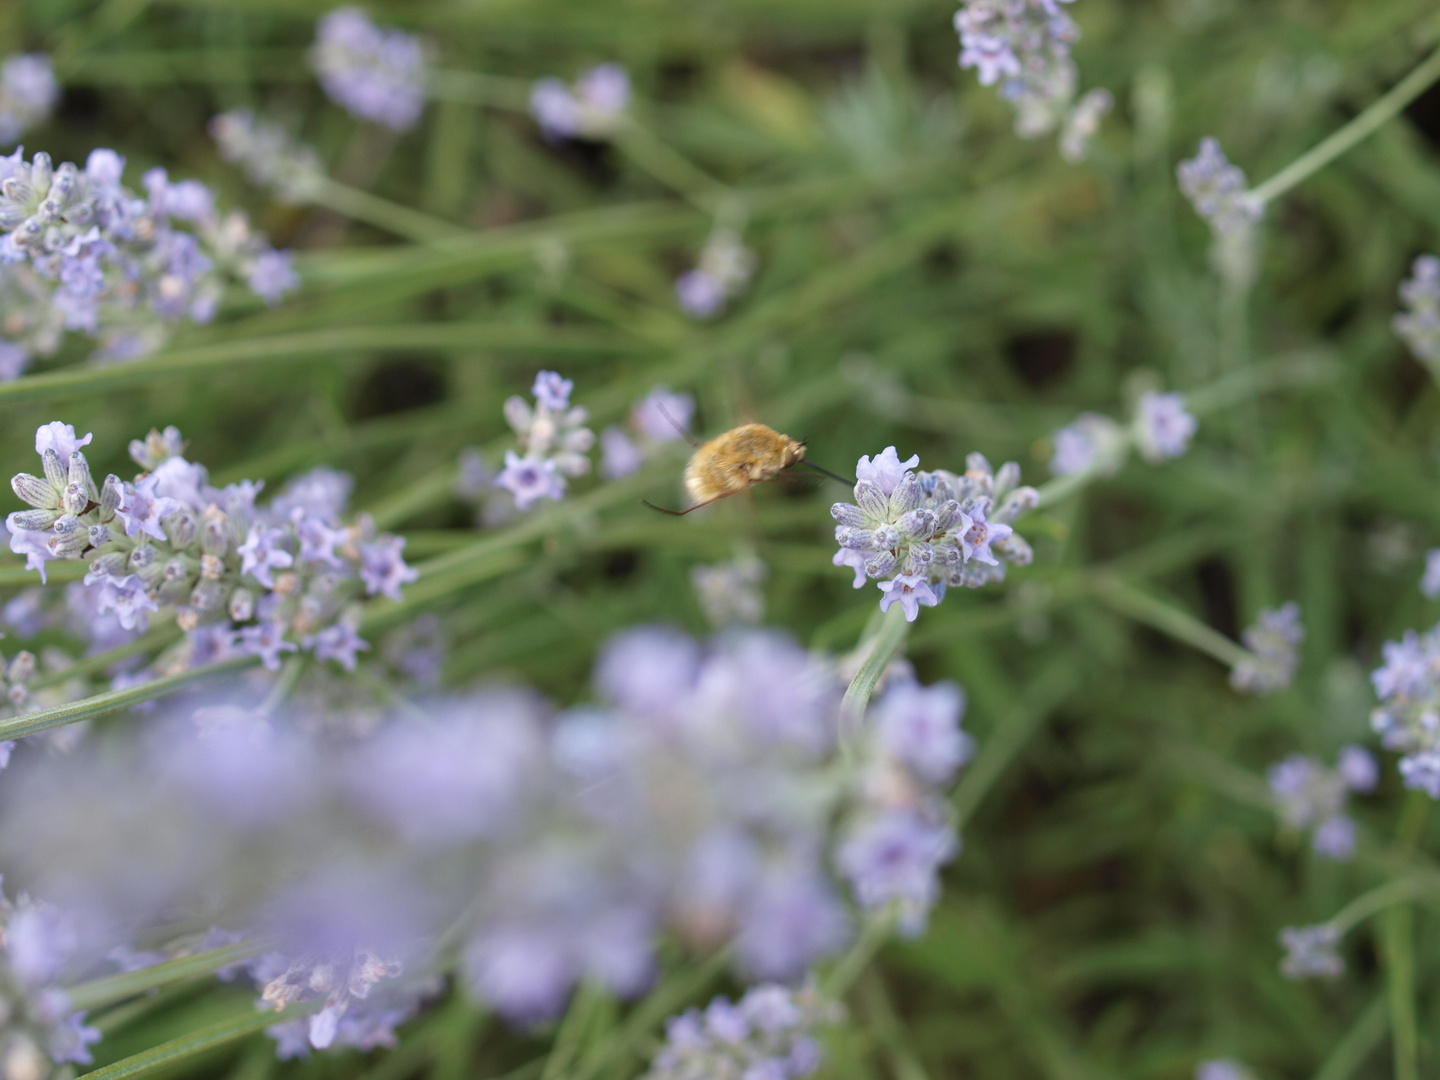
[[928, 280]]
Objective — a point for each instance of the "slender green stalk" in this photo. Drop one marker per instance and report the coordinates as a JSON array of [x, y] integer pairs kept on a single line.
[[198, 1042], [1358, 1043], [671, 168], [148, 644], [1010, 737], [1385, 896], [881, 644], [115, 700], [888, 1031], [393, 217], [350, 344], [1356, 131], [1166, 618], [477, 88], [879, 925], [59, 572], [111, 989], [1399, 952]]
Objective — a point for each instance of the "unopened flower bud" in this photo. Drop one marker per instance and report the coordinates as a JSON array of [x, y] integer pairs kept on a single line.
[[99, 535], [38, 520], [214, 531], [55, 470], [111, 564], [111, 494], [17, 695], [180, 528], [22, 667], [142, 557], [207, 596], [76, 499], [211, 568], [242, 605], [35, 491], [80, 472], [71, 537]]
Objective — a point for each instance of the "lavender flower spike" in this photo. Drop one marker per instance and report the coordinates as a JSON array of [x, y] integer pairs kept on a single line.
[[1419, 324], [375, 73], [1218, 190], [1273, 644], [1310, 952]]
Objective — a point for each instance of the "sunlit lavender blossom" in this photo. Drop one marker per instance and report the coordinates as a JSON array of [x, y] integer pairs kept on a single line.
[[555, 442], [376, 73], [730, 592], [171, 540], [919, 533], [269, 156], [593, 108], [769, 1034], [1419, 323], [1090, 441], [81, 252], [1310, 796], [1273, 645], [1310, 952], [723, 274], [28, 92], [1163, 428]]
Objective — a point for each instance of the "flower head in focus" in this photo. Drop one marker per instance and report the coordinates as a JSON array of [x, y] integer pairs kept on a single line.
[[917, 534], [554, 438]]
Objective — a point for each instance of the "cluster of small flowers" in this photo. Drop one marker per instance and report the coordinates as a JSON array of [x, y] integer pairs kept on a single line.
[[1162, 428], [1419, 323], [729, 592], [554, 438], [919, 533], [1309, 795], [1310, 952], [704, 795], [37, 1025], [660, 418], [28, 91], [268, 155], [1273, 645], [375, 73], [80, 251], [725, 269], [242, 580], [594, 108], [769, 1034], [1221, 195], [1408, 718], [1024, 45]]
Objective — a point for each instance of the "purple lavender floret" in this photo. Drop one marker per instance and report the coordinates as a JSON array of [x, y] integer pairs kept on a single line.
[[376, 73]]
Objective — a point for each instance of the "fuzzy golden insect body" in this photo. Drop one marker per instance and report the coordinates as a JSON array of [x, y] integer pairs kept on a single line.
[[730, 463]]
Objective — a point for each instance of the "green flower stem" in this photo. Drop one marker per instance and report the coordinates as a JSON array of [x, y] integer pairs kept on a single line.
[[199, 1042], [59, 571], [476, 88], [114, 700], [393, 217], [1386, 896], [1168, 619], [112, 989], [881, 643], [885, 1024], [148, 644], [1398, 939], [671, 168], [1356, 131], [351, 345], [1291, 373], [1358, 1043], [1009, 737], [879, 925]]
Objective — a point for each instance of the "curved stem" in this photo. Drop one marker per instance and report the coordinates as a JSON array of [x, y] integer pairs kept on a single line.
[[884, 641], [1181, 625], [391, 216], [1356, 131], [110, 989], [1385, 896]]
